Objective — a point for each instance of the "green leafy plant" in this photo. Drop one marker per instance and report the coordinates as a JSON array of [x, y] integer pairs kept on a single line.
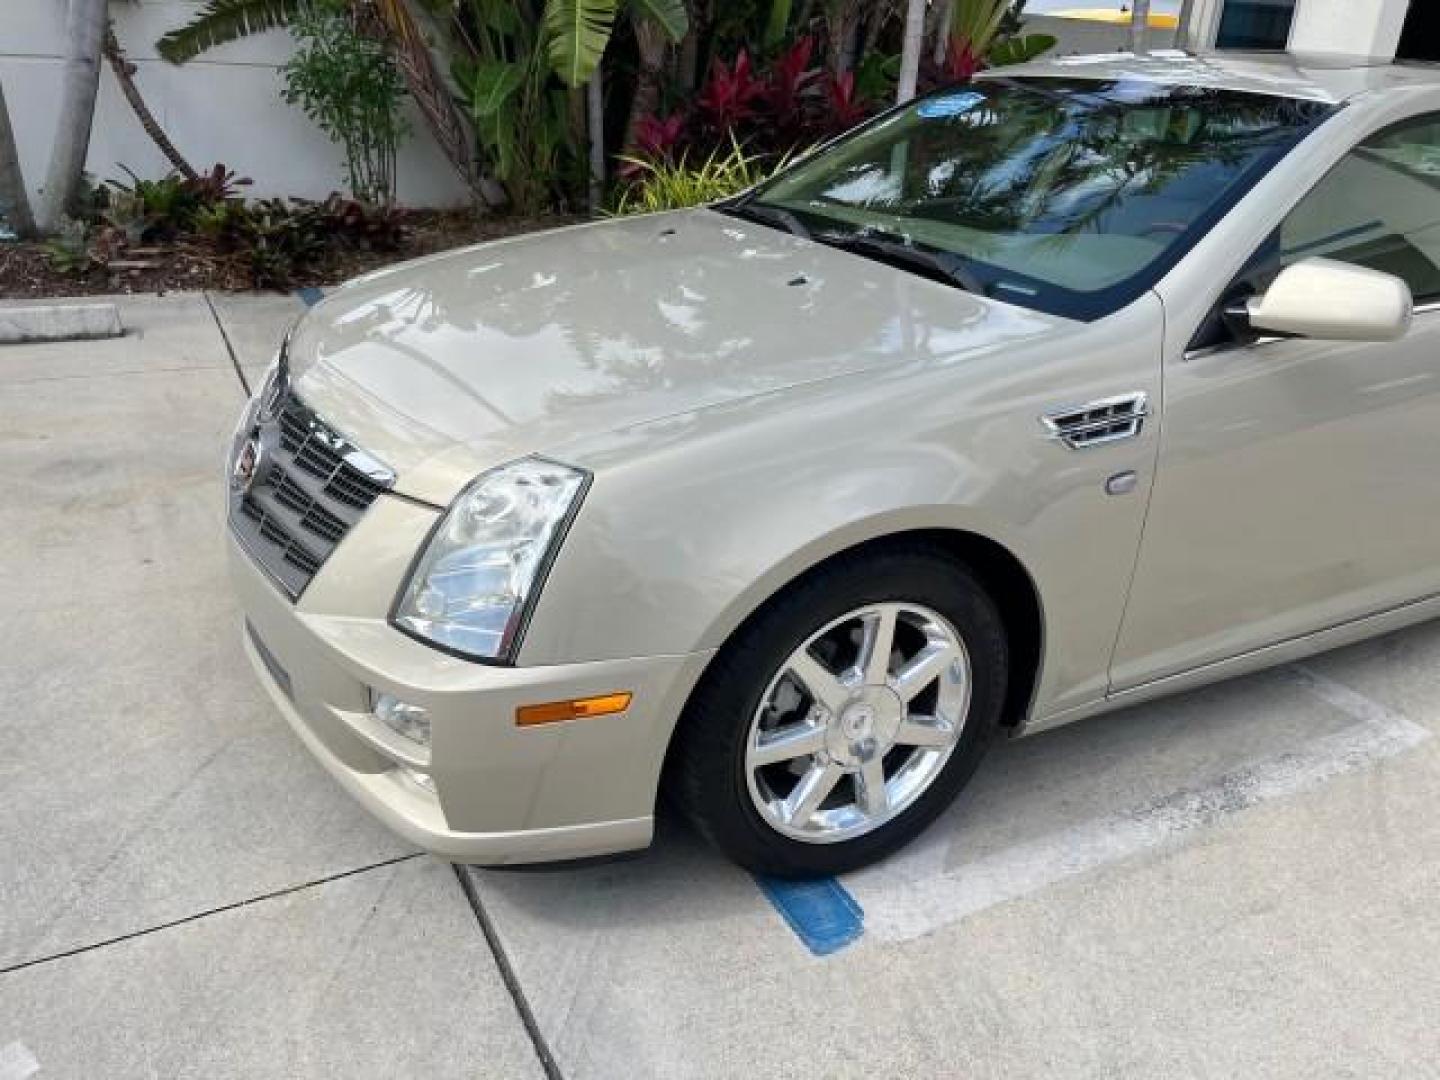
[[79, 246], [347, 82], [126, 214], [521, 112], [1019, 49], [278, 242], [222, 223], [662, 185], [578, 31], [361, 225], [165, 207]]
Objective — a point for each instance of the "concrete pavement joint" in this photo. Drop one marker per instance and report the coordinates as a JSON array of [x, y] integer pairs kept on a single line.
[[507, 975], [229, 347], [275, 894]]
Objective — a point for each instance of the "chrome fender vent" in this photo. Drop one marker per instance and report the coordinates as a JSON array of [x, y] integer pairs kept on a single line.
[[1098, 422]]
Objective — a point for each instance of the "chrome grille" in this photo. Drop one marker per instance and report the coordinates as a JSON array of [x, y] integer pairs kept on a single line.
[[307, 489]]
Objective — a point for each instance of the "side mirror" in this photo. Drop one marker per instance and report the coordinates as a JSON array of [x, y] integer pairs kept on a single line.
[[1334, 301]]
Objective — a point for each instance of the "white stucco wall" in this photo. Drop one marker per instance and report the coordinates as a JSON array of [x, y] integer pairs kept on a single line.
[[222, 107], [1355, 27]]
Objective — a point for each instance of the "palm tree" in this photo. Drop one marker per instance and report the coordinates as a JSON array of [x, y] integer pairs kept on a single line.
[[659, 24], [125, 75], [14, 200], [913, 43], [85, 24]]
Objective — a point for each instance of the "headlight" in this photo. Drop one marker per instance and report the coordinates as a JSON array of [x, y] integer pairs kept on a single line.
[[471, 591]]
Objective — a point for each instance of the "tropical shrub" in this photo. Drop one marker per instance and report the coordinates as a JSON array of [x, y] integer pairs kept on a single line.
[[149, 210], [674, 185], [986, 33], [776, 109], [535, 87], [521, 111], [346, 81]]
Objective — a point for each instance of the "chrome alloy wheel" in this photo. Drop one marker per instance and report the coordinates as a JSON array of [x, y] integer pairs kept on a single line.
[[858, 722]]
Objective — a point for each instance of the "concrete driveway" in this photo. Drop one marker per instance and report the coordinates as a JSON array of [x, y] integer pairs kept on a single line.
[[1240, 881]]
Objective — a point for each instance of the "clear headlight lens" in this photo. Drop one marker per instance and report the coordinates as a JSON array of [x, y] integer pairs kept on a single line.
[[469, 592]]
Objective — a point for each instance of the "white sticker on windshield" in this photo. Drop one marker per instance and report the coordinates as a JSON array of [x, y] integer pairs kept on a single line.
[[949, 105]]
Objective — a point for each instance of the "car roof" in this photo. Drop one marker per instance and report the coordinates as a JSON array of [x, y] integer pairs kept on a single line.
[[1325, 78]]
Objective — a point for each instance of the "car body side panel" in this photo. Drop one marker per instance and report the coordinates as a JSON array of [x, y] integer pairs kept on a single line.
[[1294, 489], [692, 522]]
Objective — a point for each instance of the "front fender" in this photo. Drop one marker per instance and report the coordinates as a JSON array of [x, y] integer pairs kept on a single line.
[[695, 520]]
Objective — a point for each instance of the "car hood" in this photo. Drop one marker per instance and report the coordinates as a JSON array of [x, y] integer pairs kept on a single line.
[[446, 366]]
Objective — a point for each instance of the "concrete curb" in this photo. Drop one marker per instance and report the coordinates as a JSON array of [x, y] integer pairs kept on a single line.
[[59, 322]]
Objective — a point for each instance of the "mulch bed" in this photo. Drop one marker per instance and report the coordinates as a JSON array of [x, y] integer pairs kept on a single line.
[[26, 270]]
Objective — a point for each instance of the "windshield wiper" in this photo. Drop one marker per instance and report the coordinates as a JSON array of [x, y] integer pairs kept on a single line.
[[772, 216], [947, 269]]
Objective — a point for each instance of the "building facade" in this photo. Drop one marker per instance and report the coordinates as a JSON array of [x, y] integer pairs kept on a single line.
[[1409, 29]]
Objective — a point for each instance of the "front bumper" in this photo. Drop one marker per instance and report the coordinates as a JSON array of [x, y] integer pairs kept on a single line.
[[503, 794]]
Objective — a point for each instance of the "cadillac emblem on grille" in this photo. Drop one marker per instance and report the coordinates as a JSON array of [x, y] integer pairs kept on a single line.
[[248, 464], [297, 487]]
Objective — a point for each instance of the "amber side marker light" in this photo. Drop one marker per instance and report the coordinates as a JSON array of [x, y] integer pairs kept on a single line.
[[554, 712]]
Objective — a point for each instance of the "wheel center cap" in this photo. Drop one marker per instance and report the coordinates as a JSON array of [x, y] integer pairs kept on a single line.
[[858, 720], [866, 726]]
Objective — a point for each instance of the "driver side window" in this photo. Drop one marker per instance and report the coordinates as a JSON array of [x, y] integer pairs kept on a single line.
[[1379, 208]]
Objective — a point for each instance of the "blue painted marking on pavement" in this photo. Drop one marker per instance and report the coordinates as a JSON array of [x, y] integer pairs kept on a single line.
[[823, 915], [310, 295]]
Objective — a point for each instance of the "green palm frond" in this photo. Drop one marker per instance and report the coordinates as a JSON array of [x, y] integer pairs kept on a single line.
[[777, 23], [1019, 49], [578, 30], [669, 15], [222, 21], [977, 22]]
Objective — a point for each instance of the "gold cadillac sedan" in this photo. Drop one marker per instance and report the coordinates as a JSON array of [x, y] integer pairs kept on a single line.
[[1087, 382]]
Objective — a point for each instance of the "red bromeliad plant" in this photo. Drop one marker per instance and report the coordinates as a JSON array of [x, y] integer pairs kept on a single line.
[[657, 141], [789, 95], [788, 106], [660, 140], [845, 107], [727, 101], [962, 62]]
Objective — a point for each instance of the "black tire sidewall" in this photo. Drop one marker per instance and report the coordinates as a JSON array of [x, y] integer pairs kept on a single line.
[[714, 731]]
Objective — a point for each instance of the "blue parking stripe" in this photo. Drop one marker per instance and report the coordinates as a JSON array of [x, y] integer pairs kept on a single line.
[[823, 915], [310, 295]]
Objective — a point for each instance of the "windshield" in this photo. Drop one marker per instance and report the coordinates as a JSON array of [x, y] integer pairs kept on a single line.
[[1067, 196]]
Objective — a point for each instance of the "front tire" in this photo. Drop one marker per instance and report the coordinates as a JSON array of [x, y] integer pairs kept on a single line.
[[845, 715]]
